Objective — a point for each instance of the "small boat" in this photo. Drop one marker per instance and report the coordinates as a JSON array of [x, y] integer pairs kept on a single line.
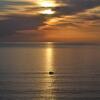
[[51, 73]]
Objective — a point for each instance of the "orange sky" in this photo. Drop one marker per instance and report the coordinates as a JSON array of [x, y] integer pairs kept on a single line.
[[50, 20]]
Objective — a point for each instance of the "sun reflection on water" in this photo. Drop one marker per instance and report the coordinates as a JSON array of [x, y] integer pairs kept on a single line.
[[49, 80], [49, 57]]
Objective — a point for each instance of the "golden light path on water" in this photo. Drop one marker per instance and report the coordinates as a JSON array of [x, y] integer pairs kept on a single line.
[[49, 81], [49, 56]]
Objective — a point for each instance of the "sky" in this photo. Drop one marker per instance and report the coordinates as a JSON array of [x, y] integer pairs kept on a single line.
[[50, 20]]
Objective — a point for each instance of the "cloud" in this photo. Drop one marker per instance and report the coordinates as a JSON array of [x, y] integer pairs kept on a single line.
[[15, 23], [4, 4], [76, 6]]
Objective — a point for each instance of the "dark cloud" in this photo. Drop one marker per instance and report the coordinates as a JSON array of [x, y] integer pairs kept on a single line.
[[76, 6], [20, 22], [7, 3], [93, 17]]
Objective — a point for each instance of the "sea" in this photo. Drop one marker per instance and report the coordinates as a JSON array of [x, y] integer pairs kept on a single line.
[[49, 71]]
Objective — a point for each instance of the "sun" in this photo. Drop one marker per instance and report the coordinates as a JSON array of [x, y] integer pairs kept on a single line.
[[46, 3], [46, 6], [47, 11]]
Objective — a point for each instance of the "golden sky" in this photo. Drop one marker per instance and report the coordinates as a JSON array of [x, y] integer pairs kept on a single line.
[[50, 20]]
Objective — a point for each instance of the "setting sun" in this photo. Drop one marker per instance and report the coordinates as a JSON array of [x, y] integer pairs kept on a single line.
[[47, 11], [46, 3]]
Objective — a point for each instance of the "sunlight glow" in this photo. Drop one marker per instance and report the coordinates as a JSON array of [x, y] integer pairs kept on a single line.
[[46, 3], [47, 11]]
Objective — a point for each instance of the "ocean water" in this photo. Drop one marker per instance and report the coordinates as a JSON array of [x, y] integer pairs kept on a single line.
[[24, 72]]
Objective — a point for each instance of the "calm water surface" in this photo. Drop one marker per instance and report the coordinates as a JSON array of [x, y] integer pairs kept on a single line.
[[24, 72]]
